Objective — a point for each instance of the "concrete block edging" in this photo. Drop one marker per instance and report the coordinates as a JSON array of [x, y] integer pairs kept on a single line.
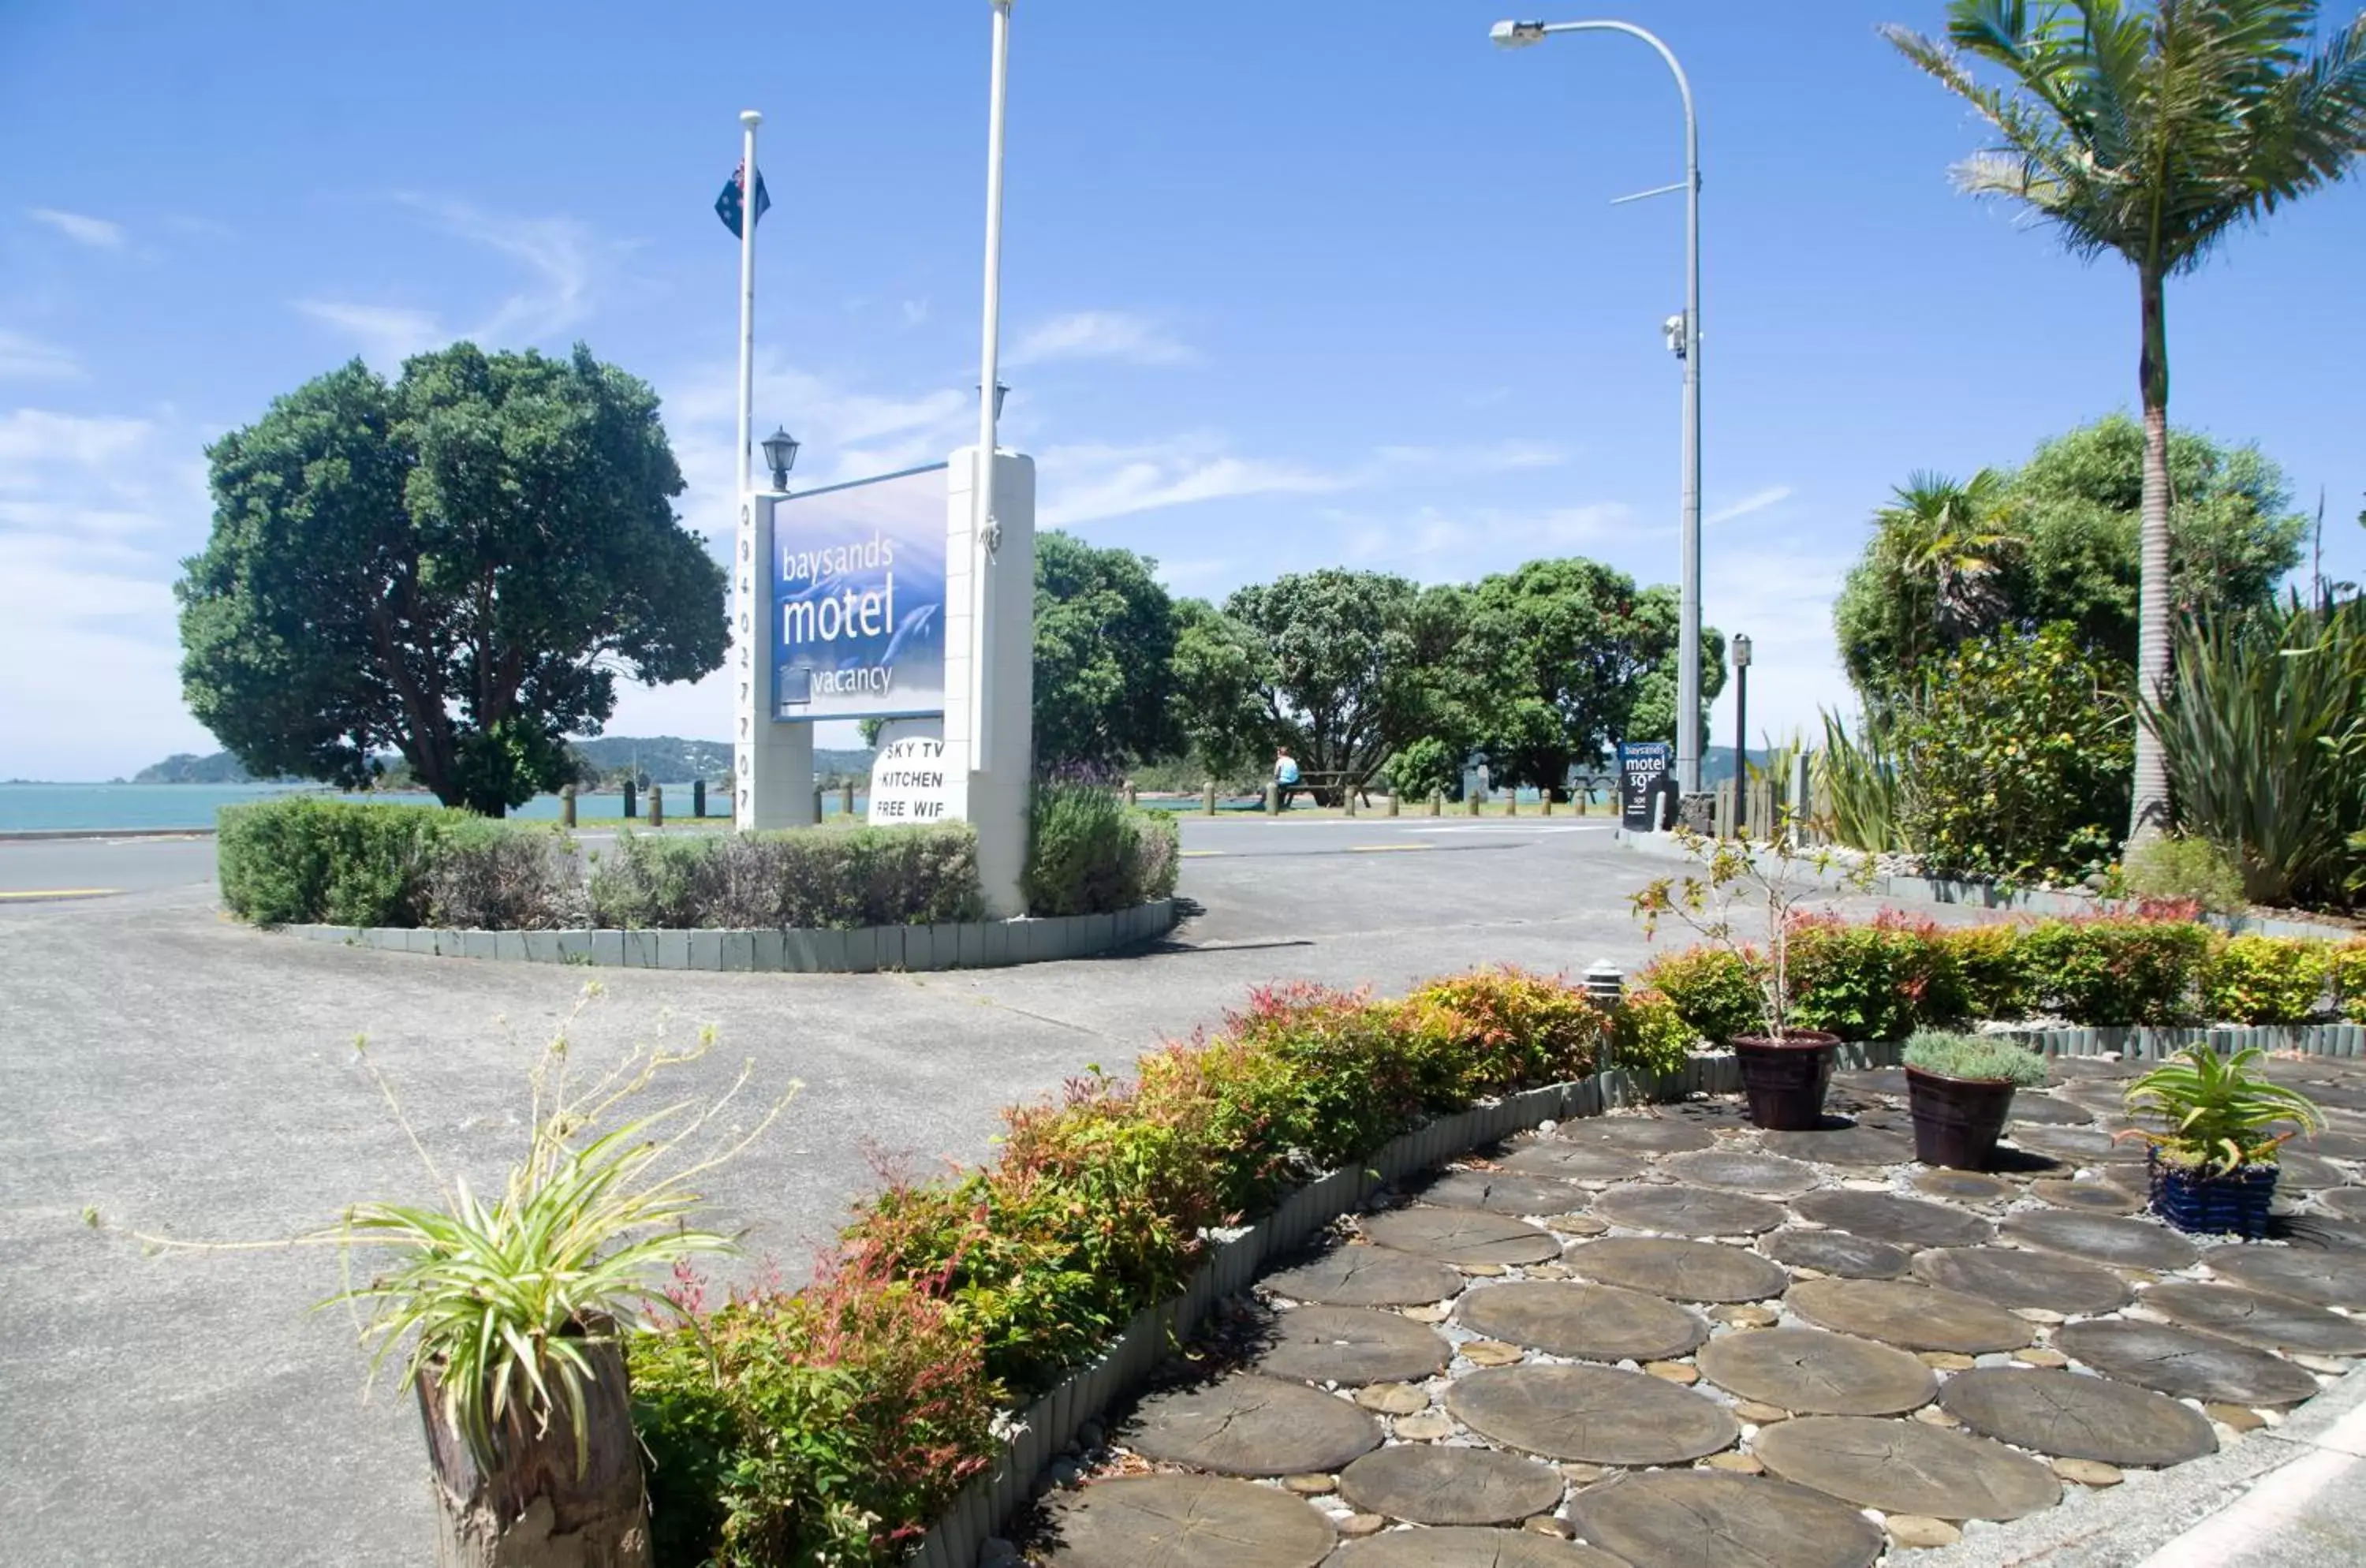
[[945, 945]]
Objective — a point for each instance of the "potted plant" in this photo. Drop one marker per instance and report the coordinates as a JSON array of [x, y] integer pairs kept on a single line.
[[1959, 1087], [508, 1317], [2213, 1159], [1785, 1070]]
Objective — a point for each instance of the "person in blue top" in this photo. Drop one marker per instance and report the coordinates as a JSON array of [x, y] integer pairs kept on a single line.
[[1285, 774]]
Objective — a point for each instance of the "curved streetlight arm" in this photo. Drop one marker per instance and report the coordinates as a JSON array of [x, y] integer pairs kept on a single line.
[[1516, 35]]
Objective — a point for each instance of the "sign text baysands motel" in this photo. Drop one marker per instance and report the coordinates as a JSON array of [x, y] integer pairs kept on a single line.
[[859, 588]]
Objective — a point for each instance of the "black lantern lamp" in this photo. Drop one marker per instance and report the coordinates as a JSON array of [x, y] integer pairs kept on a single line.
[[780, 456]]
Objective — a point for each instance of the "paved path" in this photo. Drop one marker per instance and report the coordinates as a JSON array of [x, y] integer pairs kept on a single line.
[[193, 1076], [1672, 1418]]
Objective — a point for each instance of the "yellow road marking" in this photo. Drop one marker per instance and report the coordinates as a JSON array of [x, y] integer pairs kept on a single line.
[[1200, 854], [61, 893]]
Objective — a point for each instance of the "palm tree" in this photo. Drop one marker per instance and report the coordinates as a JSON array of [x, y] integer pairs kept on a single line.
[[2152, 131], [1946, 544]]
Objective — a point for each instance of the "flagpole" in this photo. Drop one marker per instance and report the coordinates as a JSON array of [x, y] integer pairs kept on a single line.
[[748, 119], [981, 688]]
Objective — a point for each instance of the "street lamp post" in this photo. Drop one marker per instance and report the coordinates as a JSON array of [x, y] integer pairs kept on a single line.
[[1683, 338], [1740, 731]]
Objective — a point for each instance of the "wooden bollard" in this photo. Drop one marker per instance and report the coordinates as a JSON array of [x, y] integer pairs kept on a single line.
[[1438, 803], [1132, 797], [1208, 798], [1546, 810], [1512, 801], [698, 797], [1348, 799], [1472, 800], [1272, 799], [846, 798], [1392, 803], [657, 806], [567, 806], [631, 800]]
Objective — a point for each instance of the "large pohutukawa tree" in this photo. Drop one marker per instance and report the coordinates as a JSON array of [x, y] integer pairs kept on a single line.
[[455, 568], [2151, 131]]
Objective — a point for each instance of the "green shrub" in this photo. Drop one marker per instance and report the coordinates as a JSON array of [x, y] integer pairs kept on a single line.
[[803, 878], [305, 860], [1976, 1057], [1425, 766], [2348, 966], [824, 1427], [1874, 981], [1089, 854], [1716, 992], [1649, 1035], [2115, 970], [1505, 1029], [2266, 979], [1992, 970], [2016, 758], [484, 876], [2175, 869]]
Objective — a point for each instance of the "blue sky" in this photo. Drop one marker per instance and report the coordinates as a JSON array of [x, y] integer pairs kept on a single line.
[[1285, 285]]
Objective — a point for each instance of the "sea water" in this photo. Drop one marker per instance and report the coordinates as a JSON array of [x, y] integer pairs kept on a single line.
[[101, 807]]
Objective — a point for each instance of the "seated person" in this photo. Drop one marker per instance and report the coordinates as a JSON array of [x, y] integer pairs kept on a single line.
[[1285, 774]]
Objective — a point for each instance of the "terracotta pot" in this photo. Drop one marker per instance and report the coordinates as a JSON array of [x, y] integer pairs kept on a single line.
[[1957, 1121], [1785, 1079]]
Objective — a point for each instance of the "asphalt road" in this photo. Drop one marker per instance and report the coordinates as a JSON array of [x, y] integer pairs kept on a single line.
[[191, 1076]]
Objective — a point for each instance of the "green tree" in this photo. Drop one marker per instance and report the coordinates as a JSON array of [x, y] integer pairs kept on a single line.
[[1559, 658], [2013, 756], [455, 566], [2151, 131], [2060, 538], [1104, 652], [1328, 663]]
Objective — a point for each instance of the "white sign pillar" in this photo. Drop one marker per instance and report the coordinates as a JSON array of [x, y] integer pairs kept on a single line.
[[772, 763], [990, 667]]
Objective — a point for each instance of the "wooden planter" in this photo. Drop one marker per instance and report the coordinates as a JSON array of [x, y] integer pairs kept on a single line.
[[1785, 1079], [1957, 1121], [537, 1511]]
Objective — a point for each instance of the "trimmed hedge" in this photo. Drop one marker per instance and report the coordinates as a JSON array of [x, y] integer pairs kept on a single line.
[[830, 1425], [837, 878], [307, 859], [1088, 853], [1885, 979], [303, 859]]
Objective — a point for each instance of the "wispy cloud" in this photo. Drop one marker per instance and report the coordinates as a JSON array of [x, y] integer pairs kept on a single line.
[[1088, 483], [563, 262], [1756, 500], [915, 311], [388, 334], [1780, 590], [1098, 334], [91, 525], [29, 358], [1471, 540], [98, 233]]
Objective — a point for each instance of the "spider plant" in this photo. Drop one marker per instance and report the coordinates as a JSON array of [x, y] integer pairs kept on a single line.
[[505, 1301], [2216, 1111]]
